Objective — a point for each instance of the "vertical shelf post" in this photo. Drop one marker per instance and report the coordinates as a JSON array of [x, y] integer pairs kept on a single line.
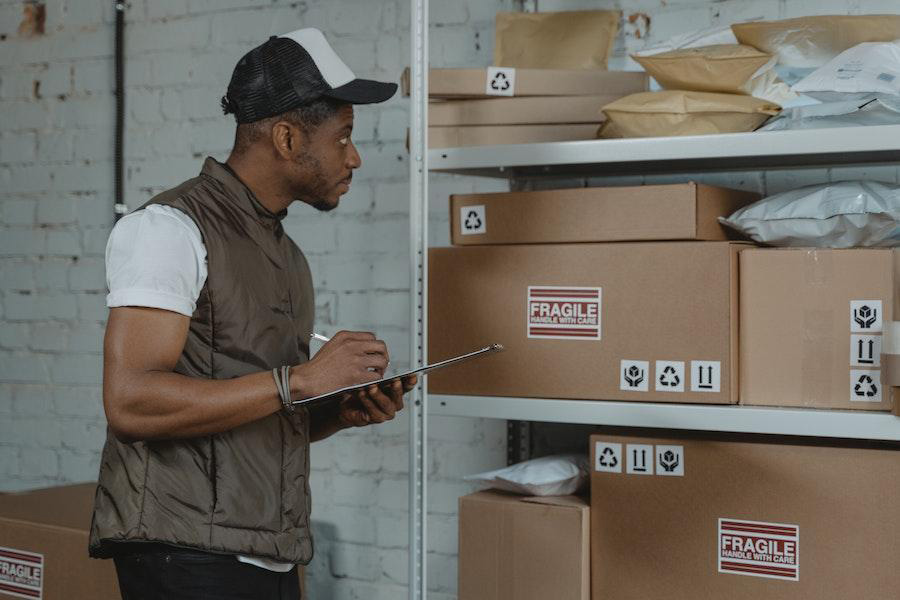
[[418, 248]]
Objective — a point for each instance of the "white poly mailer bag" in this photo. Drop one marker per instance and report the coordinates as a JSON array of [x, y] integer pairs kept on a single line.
[[831, 215], [557, 475], [870, 67], [867, 110]]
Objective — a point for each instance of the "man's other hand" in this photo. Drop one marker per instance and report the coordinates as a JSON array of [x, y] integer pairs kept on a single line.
[[374, 404]]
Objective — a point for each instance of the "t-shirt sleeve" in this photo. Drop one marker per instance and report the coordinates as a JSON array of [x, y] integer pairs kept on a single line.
[[155, 258]]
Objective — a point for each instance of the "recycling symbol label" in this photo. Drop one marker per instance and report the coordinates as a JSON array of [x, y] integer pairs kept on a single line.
[[472, 219], [501, 81], [865, 316], [865, 386], [634, 375], [608, 457], [669, 376]]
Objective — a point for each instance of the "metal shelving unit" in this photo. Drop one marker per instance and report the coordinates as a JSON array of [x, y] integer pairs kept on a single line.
[[768, 150]]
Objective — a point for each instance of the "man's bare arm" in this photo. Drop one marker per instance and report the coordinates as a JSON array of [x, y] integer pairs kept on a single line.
[[145, 400]]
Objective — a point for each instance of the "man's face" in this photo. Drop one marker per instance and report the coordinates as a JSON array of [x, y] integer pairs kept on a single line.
[[324, 165]]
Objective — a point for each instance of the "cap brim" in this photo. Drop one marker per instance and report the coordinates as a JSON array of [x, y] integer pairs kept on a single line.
[[363, 91]]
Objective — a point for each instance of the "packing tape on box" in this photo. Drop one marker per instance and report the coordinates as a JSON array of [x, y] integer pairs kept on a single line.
[[816, 342], [818, 267], [890, 354]]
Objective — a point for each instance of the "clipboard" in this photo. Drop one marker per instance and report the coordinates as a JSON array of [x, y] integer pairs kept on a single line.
[[438, 365]]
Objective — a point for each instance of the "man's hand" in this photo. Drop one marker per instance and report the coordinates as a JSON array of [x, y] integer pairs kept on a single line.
[[373, 404], [350, 358]]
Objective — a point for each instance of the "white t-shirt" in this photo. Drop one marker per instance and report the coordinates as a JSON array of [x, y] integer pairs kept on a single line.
[[156, 258]]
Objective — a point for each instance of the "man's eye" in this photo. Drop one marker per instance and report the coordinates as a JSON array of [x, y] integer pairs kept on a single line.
[[344, 140]]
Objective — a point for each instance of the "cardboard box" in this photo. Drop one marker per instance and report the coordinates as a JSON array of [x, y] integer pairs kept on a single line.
[[43, 546], [744, 518], [523, 548], [632, 321], [486, 135], [473, 83], [519, 111], [682, 211], [806, 338]]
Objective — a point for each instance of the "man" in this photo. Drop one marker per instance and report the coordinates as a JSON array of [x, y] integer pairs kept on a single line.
[[203, 489]]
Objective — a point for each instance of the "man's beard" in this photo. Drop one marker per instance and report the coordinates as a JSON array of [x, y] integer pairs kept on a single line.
[[315, 193]]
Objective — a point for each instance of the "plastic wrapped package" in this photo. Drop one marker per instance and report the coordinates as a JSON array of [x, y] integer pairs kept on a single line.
[[832, 215], [871, 109], [865, 68], [694, 39], [556, 475], [810, 42]]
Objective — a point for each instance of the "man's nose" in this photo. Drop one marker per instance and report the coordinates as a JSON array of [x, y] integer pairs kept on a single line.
[[354, 161]]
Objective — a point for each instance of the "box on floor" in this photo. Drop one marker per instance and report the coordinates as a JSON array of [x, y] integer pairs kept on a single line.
[[626, 321], [741, 518], [44, 546], [812, 323], [523, 548], [682, 211]]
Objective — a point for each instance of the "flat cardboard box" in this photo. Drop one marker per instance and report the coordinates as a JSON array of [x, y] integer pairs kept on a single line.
[[682, 211], [519, 111], [588, 321], [487, 135], [523, 548], [800, 343], [472, 83], [44, 539], [788, 520]]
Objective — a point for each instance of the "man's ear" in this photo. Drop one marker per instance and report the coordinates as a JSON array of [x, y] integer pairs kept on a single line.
[[287, 139]]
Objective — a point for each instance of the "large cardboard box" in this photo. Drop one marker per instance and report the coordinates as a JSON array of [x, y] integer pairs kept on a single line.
[[44, 546], [745, 518], [632, 321], [523, 548], [681, 211], [519, 111], [474, 83], [488, 135], [811, 326]]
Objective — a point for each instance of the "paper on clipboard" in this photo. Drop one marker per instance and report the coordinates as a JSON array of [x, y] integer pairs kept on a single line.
[[425, 369]]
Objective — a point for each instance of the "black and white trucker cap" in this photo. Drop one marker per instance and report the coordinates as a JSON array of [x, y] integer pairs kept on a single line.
[[293, 69]]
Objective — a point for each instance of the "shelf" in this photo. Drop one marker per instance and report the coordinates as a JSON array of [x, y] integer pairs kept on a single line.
[[734, 151], [738, 419]]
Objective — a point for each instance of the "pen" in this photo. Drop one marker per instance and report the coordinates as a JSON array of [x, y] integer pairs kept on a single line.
[[319, 336]]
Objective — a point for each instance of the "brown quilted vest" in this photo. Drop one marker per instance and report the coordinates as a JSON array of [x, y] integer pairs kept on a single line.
[[244, 491]]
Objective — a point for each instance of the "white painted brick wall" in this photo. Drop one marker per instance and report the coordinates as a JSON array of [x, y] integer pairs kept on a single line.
[[55, 215]]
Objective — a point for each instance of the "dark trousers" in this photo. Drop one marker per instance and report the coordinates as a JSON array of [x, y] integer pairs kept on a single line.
[[168, 573]]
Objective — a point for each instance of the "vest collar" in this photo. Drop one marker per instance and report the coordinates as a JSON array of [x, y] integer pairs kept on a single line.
[[240, 193]]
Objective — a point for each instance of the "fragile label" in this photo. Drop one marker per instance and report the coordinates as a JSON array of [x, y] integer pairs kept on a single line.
[[608, 457], [670, 460], [472, 219], [865, 316], [21, 573], [865, 386], [567, 313], [759, 549], [501, 81], [634, 375]]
